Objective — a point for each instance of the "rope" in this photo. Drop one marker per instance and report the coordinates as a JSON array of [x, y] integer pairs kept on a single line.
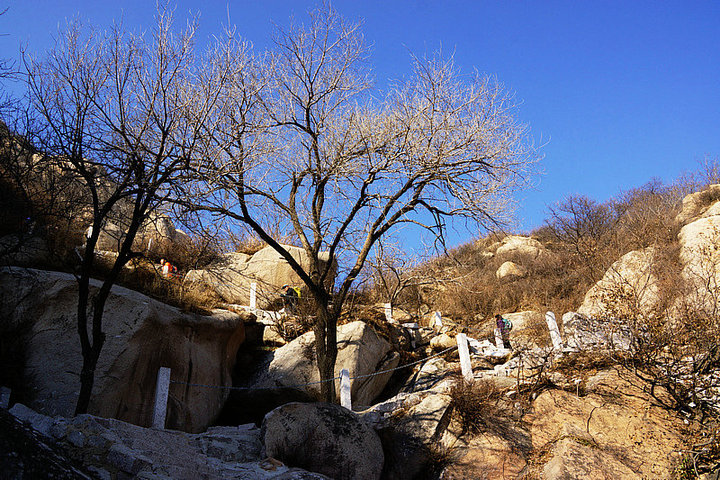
[[404, 366], [221, 387]]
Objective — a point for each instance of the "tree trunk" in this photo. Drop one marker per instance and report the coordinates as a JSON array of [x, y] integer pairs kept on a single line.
[[87, 380], [325, 329]]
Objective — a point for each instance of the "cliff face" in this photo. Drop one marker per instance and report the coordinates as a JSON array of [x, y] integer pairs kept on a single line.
[[38, 316]]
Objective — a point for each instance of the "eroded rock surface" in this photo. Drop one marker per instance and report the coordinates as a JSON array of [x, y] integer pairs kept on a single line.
[[38, 311]]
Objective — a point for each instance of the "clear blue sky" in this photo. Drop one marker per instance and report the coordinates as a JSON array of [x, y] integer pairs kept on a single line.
[[619, 91]]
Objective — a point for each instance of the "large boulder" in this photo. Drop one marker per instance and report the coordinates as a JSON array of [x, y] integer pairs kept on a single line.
[[411, 427], [324, 438], [519, 245], [232, 276], [628, 287], [510, 271], [360, 350], [38, 320]]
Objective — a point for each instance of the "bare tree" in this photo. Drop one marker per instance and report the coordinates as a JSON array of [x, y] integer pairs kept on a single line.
[[125, 113], [395, 271], [308, 146]]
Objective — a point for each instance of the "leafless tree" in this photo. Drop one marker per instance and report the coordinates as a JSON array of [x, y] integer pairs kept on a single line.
[[125, 113], [307, 145], [395, 271]]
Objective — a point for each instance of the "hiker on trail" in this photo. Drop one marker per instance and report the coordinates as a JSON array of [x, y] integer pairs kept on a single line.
[[167, 268], [290, 296], [504, 326]]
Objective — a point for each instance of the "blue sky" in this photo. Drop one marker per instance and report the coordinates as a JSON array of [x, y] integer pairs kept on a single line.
[[619, 92]]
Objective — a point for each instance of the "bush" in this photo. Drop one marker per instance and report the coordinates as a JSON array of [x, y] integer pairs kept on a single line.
[[476, 405]]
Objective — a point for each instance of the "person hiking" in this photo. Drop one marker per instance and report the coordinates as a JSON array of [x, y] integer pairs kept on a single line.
[[290, 296], [504, 326]]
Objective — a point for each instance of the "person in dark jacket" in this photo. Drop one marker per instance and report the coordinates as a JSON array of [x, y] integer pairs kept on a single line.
[[290, 298]]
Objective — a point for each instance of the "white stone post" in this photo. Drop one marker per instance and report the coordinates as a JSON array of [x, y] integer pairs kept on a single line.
[[253, 296], [464, 351], [345, 396], [5, 397], [162, 389], [388, 313], [149, 245], [498, 339], [437, 321], [554, 331]]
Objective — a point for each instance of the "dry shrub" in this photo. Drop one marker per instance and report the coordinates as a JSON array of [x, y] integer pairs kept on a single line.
[[476, 405]]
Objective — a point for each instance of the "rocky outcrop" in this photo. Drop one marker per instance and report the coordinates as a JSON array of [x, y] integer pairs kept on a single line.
[[615, 431], [158, 237], [629, 286], [324, 438], [697, 204], [113, 449], [519, 245], [360, 350], [38, 314], [232, 275], [701, 258], [510, 271]]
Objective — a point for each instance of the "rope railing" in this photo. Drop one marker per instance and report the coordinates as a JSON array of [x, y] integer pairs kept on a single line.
[[164, 382]]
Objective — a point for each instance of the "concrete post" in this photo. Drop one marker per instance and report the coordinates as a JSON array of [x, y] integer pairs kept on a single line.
[[388, 313], [253, 296], [498, 339], [5, 397], [162, 389], [464, 351], [345, 396], [554, 331], [436, 321]]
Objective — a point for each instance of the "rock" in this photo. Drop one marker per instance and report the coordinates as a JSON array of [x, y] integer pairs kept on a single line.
[[38, 312], [442, 342], [582, 333], [411, 436], [323, 438], [25, 454], [39, 422], [696, 204], [117, 449], [232, 275], [519, 245], [571, 459], [158, 237], [629, 283], [701, 259], [490, 457], [429, 375], [229, 278], [360, 350], [620, 425], [510, 271]]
